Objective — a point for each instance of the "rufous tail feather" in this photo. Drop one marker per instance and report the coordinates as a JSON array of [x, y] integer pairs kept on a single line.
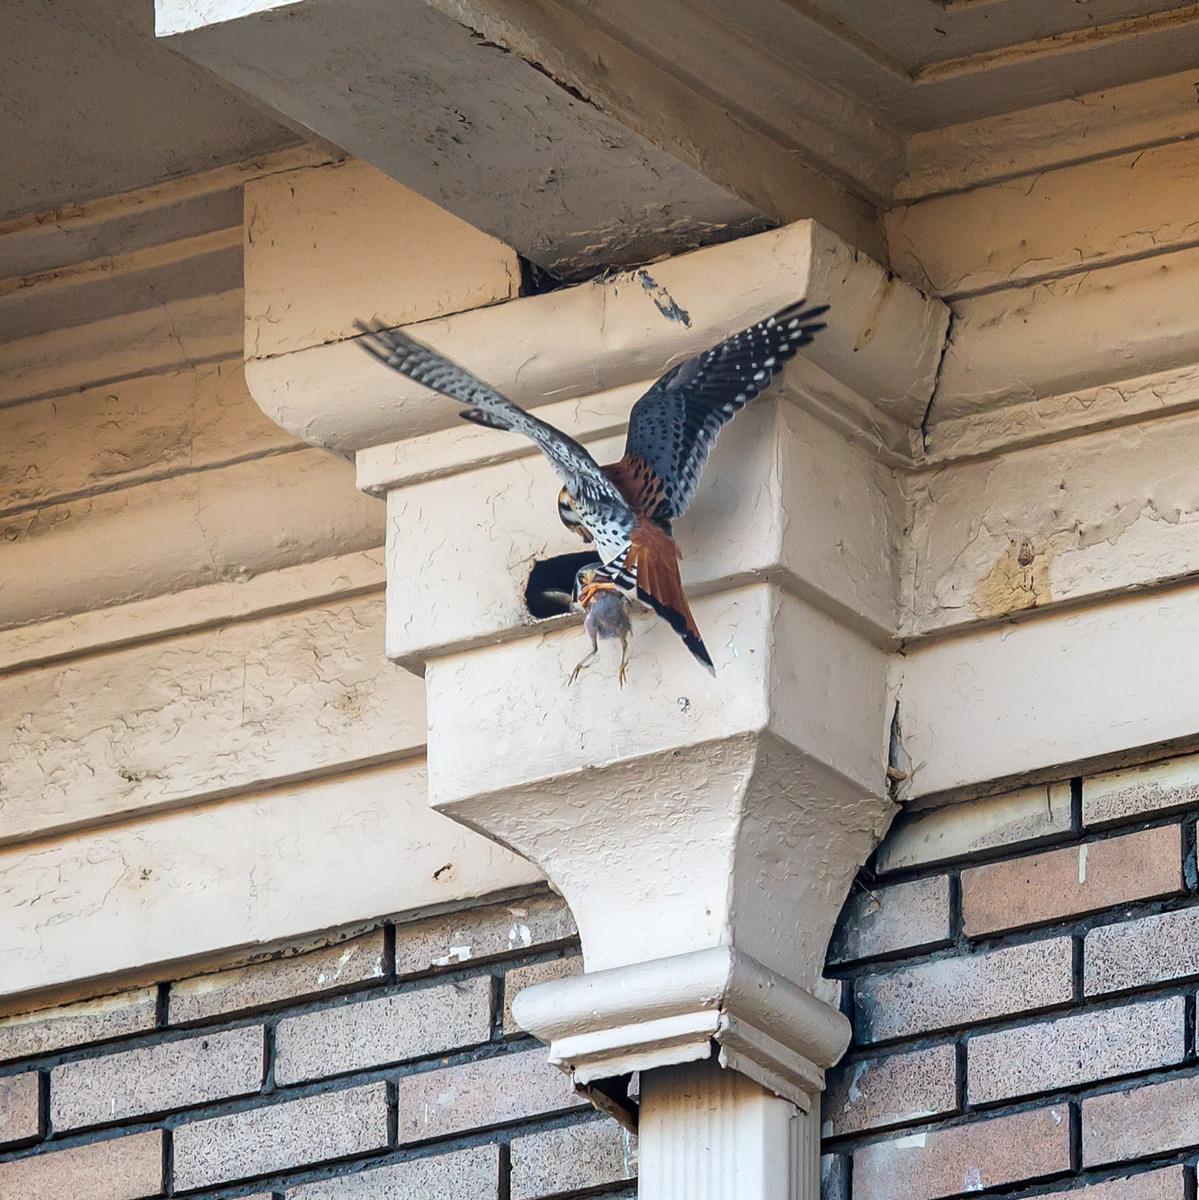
[[656, 561]]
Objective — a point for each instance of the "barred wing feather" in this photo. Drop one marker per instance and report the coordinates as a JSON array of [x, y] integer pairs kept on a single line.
[[673, 427], [595, 492]]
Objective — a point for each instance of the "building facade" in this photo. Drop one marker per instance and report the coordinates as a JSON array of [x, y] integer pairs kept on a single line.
[[318, 880]]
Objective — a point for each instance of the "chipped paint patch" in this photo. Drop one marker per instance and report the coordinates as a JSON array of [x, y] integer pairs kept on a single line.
[[1019, 579], [914, 1141], [457, 954], [664, 302], [972, 1181]]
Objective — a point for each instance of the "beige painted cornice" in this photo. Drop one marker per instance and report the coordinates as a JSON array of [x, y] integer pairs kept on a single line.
[[877, 360]]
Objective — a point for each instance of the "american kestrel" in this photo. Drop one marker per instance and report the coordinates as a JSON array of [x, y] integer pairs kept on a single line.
[[627, 507]]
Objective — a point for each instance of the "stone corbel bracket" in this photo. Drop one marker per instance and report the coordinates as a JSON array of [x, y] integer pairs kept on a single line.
[[611, 1023], [705, 832]]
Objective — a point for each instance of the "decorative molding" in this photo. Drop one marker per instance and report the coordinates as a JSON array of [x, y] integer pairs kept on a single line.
[[188, 612], [737, 811], [882, 345], [671, 1010]]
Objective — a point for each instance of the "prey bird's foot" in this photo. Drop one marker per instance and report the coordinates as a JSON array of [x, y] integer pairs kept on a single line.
[[582, 664]]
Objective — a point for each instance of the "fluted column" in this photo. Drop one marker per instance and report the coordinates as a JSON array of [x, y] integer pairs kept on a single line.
[[710, 1134]]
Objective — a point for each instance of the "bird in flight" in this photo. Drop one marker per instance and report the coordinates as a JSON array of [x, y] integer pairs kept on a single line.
[[627, 507]]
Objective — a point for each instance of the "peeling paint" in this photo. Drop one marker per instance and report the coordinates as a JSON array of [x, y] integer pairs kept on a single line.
[[1019, 579]]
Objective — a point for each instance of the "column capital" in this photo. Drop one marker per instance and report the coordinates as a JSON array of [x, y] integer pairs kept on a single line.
[[670, 1010]]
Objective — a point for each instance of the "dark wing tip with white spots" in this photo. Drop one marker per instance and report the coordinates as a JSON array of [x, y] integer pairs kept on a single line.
[[383, 343], [679, 623], [674, 425]]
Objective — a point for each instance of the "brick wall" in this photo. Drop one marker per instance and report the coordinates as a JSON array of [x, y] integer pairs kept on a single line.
[[380, 1067], [1020, 972]]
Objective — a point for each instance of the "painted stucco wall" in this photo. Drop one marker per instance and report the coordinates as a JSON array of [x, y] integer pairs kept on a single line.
[[203, 745]]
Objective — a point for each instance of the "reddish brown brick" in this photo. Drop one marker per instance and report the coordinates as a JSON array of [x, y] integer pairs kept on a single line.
[[572, 1159], [906, 916], [194, 1070], [50, 1029], [1134, 954], [519, 978], [950, 992], [277, 1137], [1157, 788], [20, 1111], [875, 1093], [1140, 1121], [123, 1168], [1167, 1183], [482, 933], [1076, 1049], [834, 1177], [966, 1158], [1077, 879], [480, 1094], [472, 1174], [1014, 819], [331, 967], [429, 1020]]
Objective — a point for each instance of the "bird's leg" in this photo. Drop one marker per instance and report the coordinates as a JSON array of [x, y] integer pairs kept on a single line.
[[624, 656], [585, 660]]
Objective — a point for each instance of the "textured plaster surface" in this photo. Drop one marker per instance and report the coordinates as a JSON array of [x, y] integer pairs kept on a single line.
[[223, 876], [881, 348], [1070, 333], [1064, 521], [328, 245], [101, 58], [75, 555], [202, 716], [142, 428], [518, 159], [683, 778], [952, 689]]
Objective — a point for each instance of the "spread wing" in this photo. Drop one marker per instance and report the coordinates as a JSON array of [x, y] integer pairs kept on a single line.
[[591, 488], [673, 427]]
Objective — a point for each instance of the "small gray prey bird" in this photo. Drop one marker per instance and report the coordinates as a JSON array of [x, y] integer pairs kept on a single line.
[[607, 618]]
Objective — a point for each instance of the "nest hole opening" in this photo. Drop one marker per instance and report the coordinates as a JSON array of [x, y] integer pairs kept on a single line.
[[552, 582]]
